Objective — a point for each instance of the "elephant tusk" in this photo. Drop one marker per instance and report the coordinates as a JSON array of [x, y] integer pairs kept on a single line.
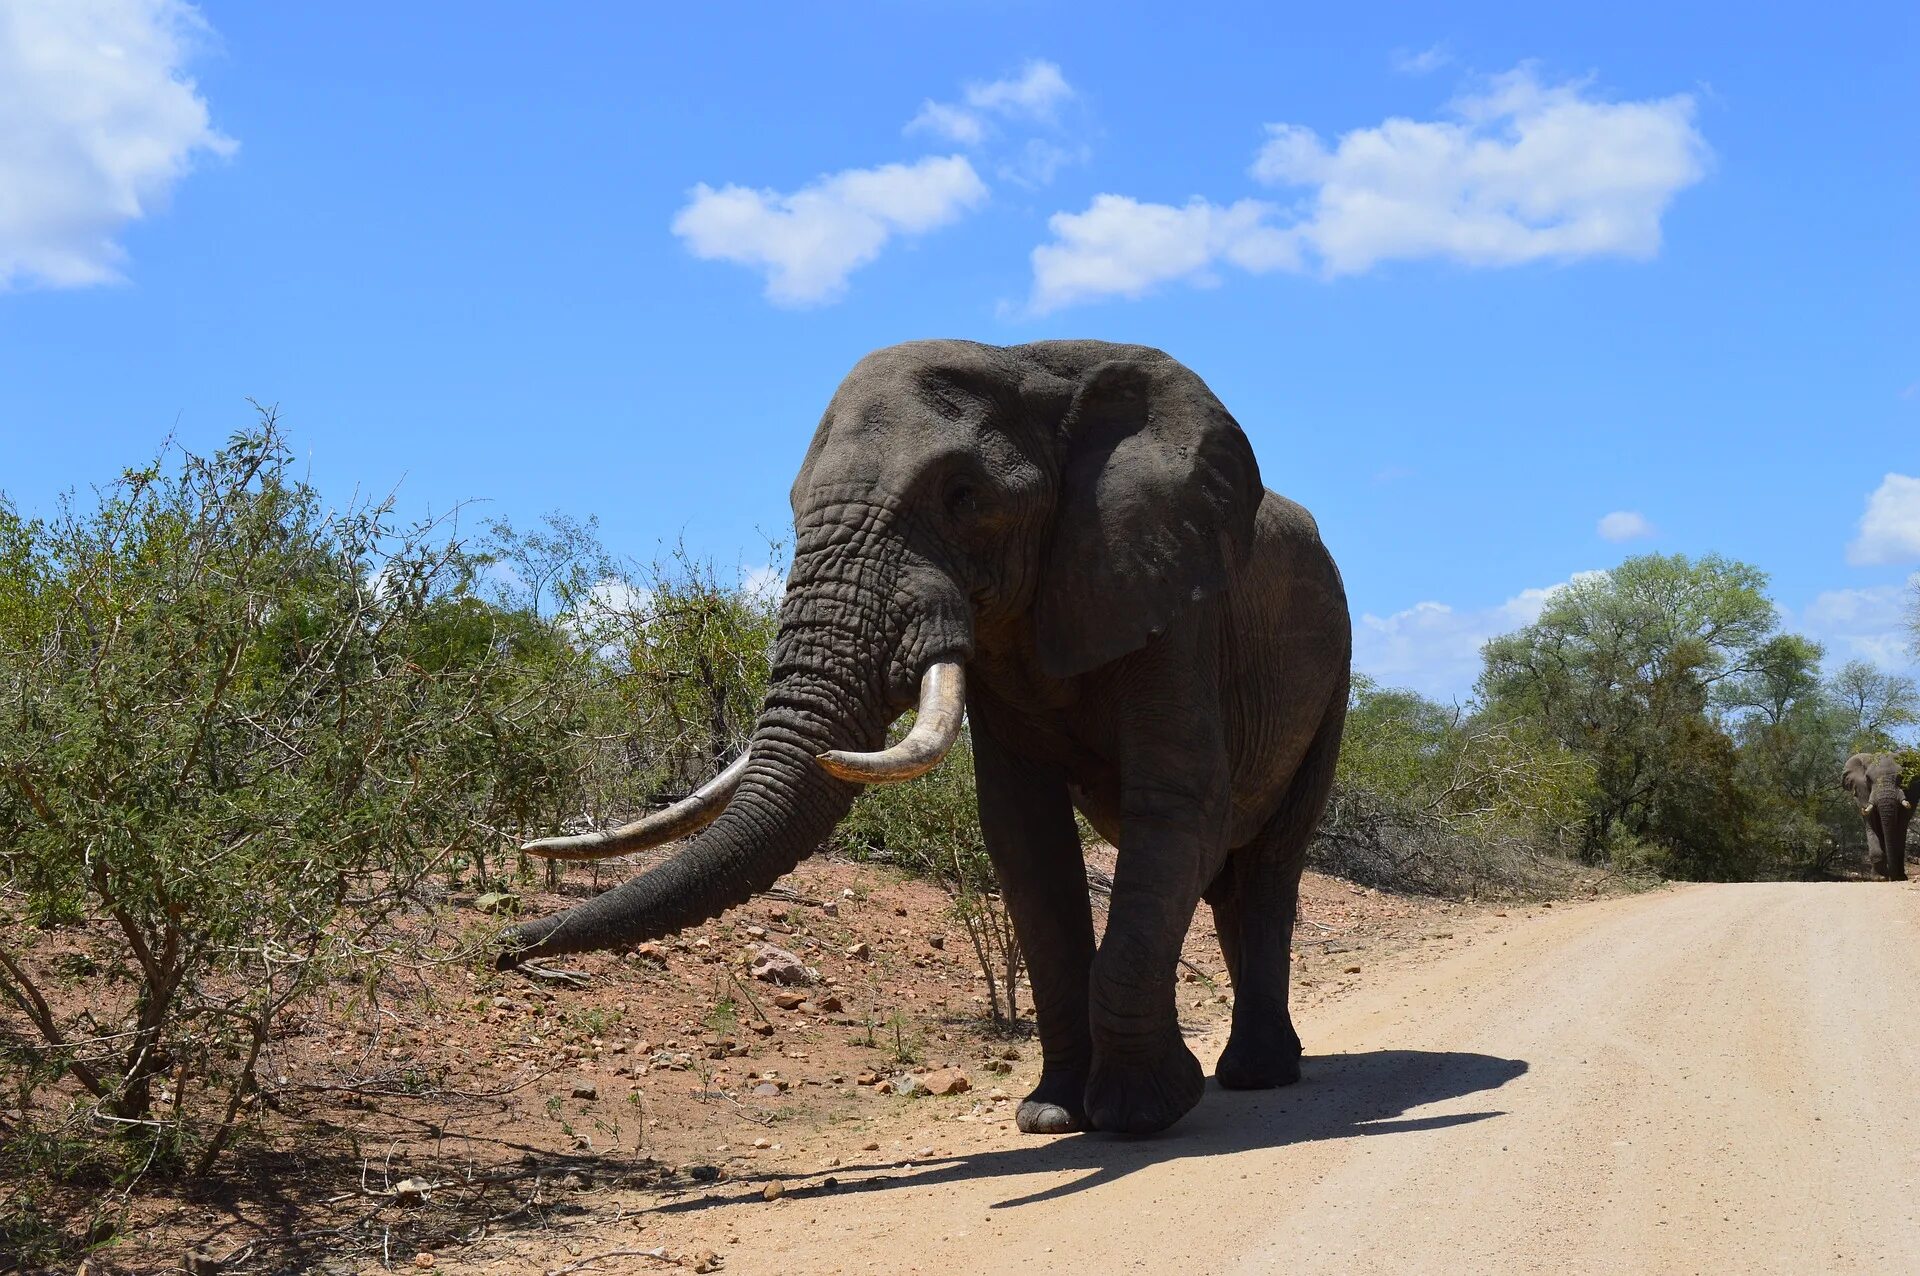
[[943, 697], [689, 815], [1866, 810]]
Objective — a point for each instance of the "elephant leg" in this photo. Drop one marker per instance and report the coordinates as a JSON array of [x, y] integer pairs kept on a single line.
[[1026, 820], [1263, 1049], [1876, 852], [1173, 819]]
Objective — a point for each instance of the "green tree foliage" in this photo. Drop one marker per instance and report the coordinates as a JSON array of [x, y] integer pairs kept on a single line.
[[1621, 668], [241, 731]]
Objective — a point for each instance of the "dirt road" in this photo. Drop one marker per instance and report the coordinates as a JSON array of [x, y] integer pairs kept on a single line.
[[1707, 1079]]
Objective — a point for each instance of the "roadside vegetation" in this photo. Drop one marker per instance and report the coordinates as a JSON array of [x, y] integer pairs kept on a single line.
[[244, 731]]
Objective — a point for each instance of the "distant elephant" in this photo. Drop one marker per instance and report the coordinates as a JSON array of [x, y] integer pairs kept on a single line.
[[1874, 781], [1070, 539]]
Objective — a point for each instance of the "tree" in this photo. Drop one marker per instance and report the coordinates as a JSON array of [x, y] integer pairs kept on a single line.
[[1873, 704], [1620, 668]]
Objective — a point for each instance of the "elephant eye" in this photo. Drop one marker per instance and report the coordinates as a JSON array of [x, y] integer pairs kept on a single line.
[[962, 499]]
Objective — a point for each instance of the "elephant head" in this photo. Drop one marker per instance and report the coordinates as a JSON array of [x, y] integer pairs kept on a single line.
[[1874, 781], [1062, 500]]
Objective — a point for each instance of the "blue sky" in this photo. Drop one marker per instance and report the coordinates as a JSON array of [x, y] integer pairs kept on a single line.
[[1503, 294]]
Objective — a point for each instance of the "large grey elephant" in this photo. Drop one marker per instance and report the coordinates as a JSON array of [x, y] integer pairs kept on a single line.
[[1887, 807], [1070, 539]]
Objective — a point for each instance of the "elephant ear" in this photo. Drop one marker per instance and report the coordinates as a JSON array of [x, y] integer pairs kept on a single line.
[[1853, 778], [1159, 491]]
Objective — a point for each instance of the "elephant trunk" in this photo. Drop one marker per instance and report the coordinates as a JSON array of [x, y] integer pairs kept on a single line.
[[1892, 811], [785, 807]]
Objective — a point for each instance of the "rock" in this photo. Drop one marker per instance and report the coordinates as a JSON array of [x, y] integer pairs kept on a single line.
[[828, 1005], [1011, 1053], [943, 1081], [830, 908], [651, 952], [867, 1077], [411, 1191], [497, 902], [789, 1000], [773, 1191], [937, 942], [777, 966], [757, 932], [765, 1090], [705, 1261], [899, 911], [576, 1180], [904, 1083], [1353, 970], [702, 1173], [999, 1067], [761, 1029], [585, 1090], [762, 1144], [423, 1259], [860, 951], [199, 1262]]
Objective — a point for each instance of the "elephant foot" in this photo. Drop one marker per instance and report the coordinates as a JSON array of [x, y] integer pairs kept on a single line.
[[1257, 1066], [1056, 1106], [1144, 1097]]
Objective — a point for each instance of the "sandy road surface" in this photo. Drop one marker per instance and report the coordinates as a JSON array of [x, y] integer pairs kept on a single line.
[[1710, 1079]]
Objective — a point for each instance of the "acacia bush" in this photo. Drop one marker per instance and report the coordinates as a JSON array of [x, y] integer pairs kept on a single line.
[[931, 829], [241, 731]]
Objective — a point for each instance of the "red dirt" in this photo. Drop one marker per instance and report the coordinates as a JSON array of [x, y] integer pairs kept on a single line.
[[521, 1101]]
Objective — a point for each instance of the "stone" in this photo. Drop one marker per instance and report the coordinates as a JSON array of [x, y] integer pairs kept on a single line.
[[585, 1090], [651, 952], [944, 1081], [830, 1004], [774, 1190], [789, 1000], [497, 902], [412, 1191], [937, 942], [860, 951], [703, 1173], [765, 1090], [830, 908], [423, 1259], [777, 966], [199, 1262]]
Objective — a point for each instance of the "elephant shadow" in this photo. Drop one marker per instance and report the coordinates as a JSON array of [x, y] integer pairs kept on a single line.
[[1365, 1094]]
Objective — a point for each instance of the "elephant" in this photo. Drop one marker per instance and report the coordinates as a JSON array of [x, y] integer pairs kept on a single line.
[[1874, 781], [1069, 544]]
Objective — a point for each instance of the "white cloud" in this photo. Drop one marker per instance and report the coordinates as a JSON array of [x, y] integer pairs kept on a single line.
[[98, 121], [1034, 95], [808, 242], [1434, 649], [1122, 247], [1863, 624], [1890, 529], [1525, 171], [1431, 58], [1625, 525], [1522, 171]]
